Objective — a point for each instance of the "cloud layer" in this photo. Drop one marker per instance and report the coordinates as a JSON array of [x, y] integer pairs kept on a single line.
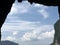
[[20, 24]]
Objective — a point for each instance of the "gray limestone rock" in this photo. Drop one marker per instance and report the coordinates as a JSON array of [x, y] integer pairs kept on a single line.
[[56, 40]]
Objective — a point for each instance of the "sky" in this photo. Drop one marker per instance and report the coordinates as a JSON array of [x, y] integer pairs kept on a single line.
[[29, 24]]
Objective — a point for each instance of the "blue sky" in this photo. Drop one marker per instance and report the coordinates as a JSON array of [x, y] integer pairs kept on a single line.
[[30, 24]]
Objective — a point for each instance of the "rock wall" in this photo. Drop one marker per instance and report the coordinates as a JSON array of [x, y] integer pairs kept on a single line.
[[7, 43], [56, 40]]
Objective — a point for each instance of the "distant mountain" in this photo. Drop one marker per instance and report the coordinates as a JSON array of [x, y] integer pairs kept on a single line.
[[7, 43]]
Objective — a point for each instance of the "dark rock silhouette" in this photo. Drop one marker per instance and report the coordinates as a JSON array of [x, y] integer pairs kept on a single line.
[[45, 2], [57, 33], [19, 0], [7, 43]]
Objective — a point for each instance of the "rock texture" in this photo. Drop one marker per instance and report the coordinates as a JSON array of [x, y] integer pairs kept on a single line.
[[7, 43], [57, 33]]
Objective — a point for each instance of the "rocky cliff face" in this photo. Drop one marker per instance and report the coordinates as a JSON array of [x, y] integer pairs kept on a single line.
[[7, 43], [57, 33]]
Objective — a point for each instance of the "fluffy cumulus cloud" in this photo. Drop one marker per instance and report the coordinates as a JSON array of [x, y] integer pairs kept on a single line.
[[20, 8], [42, 10], [47, 34], [38, 34], [37, 30], [28, 36], [44, 13], [25, 7]]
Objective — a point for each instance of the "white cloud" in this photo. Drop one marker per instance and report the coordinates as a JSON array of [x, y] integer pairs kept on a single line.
[[38, 29], [37, 5], [15, 33], [28, 36], [42, 10], [41, 33], [44, 13], [19, 25], [14, 24], [44, 35], [10, 38], [40, 6], [20, 8]]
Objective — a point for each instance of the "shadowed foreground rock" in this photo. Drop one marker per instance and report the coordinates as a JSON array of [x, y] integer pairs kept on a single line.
[[7, 43], [57, 33]]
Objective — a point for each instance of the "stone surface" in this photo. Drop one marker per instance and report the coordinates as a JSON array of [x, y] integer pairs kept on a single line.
[[57, 33], [7, 43]]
